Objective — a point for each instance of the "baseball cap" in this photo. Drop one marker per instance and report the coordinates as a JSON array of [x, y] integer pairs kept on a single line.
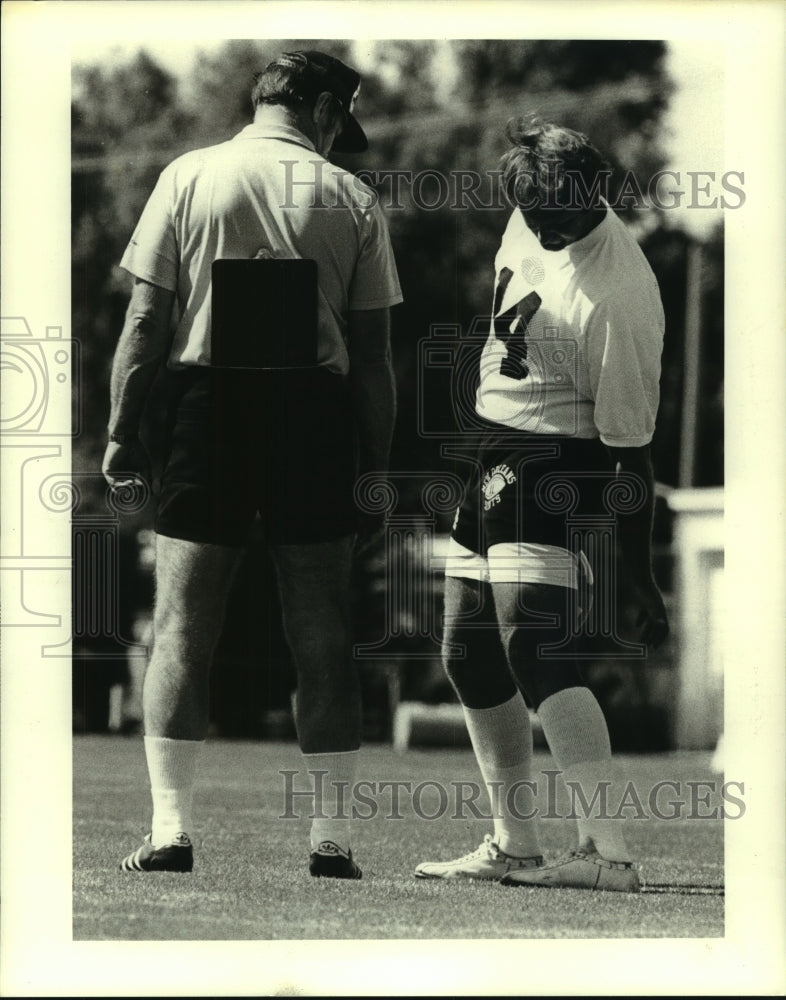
[[307, 74]]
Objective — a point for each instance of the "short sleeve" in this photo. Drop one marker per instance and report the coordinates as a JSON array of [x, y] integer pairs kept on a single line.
[[152, 252], [625, 341], [375, 283]]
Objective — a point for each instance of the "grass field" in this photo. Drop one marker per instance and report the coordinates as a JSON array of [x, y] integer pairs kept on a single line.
[[250, 880]]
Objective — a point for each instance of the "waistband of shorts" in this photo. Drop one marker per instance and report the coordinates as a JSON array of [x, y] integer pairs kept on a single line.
[[516, 434], [285, 377], [199, 386], [286, 372]]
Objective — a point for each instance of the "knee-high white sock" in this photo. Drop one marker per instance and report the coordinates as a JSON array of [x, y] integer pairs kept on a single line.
[[578, 737], [171, 765], [331, 775], [502, 740]]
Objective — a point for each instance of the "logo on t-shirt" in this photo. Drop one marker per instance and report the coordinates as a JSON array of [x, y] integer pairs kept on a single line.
[[532, 270], [494, 482]]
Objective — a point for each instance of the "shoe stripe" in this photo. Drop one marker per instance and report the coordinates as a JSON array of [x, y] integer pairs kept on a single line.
[[131, 863]]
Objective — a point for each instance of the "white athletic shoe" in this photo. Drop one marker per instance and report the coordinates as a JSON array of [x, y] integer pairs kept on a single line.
[[582, 868], [488, 863]]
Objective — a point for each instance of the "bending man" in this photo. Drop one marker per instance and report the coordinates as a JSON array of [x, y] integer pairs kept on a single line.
[[568, 393]]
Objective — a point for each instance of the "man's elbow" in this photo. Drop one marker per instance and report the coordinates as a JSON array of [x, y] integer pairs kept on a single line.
[[149, 310]]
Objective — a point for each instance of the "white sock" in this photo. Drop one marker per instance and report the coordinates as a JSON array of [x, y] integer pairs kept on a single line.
[[578, 737], [171, 765], [502, 740], [332, 807]]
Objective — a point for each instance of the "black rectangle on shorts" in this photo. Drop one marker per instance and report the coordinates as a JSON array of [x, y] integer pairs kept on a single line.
[[280, 444], [264, 314]]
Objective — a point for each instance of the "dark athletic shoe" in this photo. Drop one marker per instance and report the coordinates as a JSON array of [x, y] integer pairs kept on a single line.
[[177, 856], [329, 861]]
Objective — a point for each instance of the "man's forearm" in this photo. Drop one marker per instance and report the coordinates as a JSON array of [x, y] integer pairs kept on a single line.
[[635, 528], [140, 350], [374, 401], [133, 372]]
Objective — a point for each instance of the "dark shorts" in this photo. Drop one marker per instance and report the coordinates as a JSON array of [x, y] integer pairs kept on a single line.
[[277, 444], [525, 488]]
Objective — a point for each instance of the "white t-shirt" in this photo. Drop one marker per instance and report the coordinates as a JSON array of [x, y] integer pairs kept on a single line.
[[578, 334], [268, 192]]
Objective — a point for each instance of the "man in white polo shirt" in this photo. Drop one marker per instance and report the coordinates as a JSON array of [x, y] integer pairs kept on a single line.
[[566, 402], [284, 443]]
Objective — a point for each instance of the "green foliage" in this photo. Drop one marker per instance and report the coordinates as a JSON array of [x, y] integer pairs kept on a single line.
[[569, 65], [218, 91]]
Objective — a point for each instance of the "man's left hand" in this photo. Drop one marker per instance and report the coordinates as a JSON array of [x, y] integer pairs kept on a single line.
[[126, 465]]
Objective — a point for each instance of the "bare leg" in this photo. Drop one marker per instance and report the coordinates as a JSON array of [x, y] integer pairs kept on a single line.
[[314, 585], [192, 585]]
